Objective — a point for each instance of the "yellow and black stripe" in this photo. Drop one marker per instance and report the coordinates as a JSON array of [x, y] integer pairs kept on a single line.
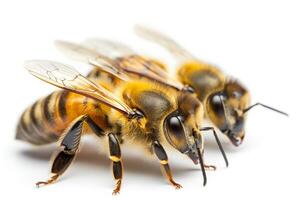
[[45, 121], [35, 122]]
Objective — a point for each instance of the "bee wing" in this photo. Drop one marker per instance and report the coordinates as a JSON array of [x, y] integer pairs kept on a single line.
[[134, 64], [109, 48], [90, 56], [66, 77], [149, 69], [75, 51], [165, 41]]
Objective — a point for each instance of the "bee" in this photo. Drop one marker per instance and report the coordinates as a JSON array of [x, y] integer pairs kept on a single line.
[[226, 101], [128, 66], [138, 111]]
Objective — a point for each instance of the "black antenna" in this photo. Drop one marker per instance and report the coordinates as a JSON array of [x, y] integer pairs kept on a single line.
[[201, 162], [265, 106], [218, 142]]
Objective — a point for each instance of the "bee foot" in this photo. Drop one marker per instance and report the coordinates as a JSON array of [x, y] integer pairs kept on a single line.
[[44, 183], [210, 167], [116, 192], [176, 185], [41, 184], [117, 189]]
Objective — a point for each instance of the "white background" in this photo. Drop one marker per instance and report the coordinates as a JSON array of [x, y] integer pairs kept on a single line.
[[257, 42]]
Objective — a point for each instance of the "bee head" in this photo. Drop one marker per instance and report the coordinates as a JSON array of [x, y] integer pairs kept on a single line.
[[226, 110], [179, 126]]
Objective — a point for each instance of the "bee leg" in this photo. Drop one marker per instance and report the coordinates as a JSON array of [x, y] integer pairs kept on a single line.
[[115, 157], [219, 145], [163, 159], [207, 166], [69, 144], [94, 127]]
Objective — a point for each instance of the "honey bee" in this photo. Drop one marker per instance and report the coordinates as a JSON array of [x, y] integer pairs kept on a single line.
[[226, 101], [137, 111], [130, 67]]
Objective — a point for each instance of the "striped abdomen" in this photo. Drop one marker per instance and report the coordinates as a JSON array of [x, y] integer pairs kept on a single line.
[[45, 121]]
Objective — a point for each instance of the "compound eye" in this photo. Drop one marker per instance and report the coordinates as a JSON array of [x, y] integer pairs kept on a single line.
[[175, 133], [217, 111], [174, 126], [217, 104]]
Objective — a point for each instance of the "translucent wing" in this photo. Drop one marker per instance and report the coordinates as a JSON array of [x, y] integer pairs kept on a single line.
[[164, 41], [112, 48], [147, 68], [109, 48], [90, 56], [75, 51], [130, 62], [66, 77]]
